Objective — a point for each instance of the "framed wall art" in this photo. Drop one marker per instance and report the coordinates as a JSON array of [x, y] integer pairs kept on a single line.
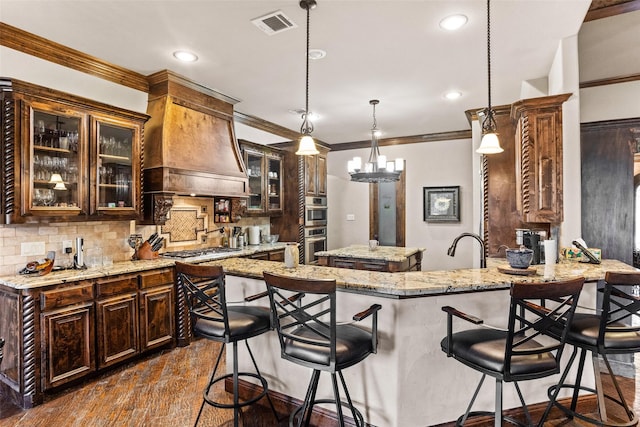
[[441, 204]]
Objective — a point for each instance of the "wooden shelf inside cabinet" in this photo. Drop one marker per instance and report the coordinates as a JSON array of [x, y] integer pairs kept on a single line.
[[121, 160], [52, 149]]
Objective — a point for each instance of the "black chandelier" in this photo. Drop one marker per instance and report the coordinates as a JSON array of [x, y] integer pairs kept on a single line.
[[377, 169]]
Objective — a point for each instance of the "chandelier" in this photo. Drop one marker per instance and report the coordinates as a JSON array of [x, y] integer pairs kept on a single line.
[[377, 169], [490, 144], [307, 146]]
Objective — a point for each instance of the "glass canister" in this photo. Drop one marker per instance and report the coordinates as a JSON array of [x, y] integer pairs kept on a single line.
[[291, 255]]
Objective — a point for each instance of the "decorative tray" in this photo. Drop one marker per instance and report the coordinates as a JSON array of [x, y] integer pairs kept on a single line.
[[517, 271]]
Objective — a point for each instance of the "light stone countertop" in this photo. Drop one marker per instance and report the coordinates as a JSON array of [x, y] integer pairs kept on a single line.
[[386, 253], [392, 285]]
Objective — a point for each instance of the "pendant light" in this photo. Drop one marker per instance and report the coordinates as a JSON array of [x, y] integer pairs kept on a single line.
[[377, 169], [490, 144], [307, 146]]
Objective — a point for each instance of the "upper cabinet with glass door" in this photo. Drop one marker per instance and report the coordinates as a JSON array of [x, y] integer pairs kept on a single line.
[[264, 168], [52, 161], [116, 173], [67, 158]]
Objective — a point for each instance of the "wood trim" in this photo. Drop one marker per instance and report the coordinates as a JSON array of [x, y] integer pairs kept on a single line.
[[48, 50], [607, 124], [610, 81], [615, 9], [497, 109], [430, 137], [258, 123]]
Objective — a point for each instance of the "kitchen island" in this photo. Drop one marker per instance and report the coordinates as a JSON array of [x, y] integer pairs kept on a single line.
[[392, 259], [410, 381]]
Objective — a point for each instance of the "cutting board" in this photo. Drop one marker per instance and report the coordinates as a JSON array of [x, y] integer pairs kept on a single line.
[[517, 271]]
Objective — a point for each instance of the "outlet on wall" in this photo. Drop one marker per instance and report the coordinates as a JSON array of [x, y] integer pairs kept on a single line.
[[67, 246], [351, 217], [32, 249]]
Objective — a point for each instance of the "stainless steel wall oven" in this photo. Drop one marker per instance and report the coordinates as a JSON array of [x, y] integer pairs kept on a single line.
[[315, 240], [315, 211]]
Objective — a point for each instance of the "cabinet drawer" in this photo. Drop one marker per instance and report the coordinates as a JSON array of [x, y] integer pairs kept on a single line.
[[108, 287], [62, 297], [149, 279]]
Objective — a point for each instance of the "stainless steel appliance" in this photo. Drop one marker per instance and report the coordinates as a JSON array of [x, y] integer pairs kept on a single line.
[[533, 239], [315, 211], [315, 240]]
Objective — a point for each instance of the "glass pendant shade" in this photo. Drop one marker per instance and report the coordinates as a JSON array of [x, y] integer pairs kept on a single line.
[[490, 144], [307, 146]]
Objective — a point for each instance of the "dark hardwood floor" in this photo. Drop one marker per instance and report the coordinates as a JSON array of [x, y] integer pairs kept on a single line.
[[165, 390]]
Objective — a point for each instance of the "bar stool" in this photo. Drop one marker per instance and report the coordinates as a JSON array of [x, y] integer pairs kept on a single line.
[[310, 336], [212, 318], [1, 351], [610, 332], [521, 352]]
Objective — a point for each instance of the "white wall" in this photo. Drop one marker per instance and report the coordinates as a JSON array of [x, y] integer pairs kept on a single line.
[[564, 78], [431, 164], [610, 102], [18, 65]]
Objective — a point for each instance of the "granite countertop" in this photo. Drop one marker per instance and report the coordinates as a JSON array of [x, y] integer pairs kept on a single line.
[[422, 283], [392, 285], [385, 253], [56, 277]]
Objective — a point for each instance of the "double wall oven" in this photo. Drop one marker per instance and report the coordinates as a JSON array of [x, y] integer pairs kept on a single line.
[[315, 227]]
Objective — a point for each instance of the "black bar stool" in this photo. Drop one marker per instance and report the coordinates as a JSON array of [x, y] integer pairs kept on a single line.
[[305, 317], [610, 332], [1, 349], [523, 351], [212, 318]]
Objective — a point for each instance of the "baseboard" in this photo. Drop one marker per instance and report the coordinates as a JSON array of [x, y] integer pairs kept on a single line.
[[321, 416], [285, 405]]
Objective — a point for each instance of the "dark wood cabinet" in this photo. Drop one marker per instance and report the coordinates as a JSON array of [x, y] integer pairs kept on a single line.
[[68, 158], [67, 331], [538, 143], [274, 255], [410, 263], [157, 308], [264, 169], [315, 175]]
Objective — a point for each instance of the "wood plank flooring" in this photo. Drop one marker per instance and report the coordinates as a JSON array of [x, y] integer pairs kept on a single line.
[[164, 390]]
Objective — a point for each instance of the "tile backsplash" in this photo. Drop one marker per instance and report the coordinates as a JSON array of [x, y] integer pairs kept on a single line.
[[110, 237]]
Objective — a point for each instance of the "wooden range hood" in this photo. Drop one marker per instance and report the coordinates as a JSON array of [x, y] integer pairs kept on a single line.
[[190, 146]]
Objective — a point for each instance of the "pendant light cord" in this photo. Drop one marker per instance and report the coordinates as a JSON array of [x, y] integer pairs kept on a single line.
[[489, 51], [307, 126]]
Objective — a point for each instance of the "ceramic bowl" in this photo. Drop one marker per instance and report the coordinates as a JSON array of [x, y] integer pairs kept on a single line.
[[519, 258]]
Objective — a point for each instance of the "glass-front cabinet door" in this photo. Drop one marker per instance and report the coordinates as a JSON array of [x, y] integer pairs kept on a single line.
[[115, 170], [255, 171], [53, 162], [274, 183]]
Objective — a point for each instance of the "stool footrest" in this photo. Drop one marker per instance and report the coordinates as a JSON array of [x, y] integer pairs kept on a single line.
[[551, 391], [474, 414], [254, 399], [295, 413]]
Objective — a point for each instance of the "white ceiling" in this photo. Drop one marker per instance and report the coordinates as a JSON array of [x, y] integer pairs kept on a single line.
[[392, 50]]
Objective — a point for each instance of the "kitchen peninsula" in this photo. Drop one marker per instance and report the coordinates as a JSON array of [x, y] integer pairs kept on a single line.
[[410, 381], [392, 388], [391, 259]]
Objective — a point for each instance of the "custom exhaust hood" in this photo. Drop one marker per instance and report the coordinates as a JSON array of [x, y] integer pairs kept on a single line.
[[190, 147]]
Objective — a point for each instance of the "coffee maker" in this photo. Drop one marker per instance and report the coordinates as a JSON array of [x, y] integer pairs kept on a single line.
[[532, 239]]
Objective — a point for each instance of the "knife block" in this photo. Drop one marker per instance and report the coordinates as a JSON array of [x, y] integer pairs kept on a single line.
[[145, 252]]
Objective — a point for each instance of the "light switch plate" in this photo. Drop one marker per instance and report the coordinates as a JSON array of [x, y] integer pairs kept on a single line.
[[351, 217], [32, 249]]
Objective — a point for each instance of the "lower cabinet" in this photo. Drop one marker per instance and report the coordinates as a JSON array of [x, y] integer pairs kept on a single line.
[[68, 340], [96, 324], [275, 255]]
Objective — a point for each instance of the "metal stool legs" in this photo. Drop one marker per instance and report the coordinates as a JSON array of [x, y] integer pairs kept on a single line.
[[305, 410], [571, 412], [235, 375]]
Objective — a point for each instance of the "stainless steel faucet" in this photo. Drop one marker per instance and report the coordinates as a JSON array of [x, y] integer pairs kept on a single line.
[[452, 249]]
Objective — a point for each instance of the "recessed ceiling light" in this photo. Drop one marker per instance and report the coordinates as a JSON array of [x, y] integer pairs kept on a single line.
[[453, 22], [300, 111], [185, 56], [453, 94], [317, 53]]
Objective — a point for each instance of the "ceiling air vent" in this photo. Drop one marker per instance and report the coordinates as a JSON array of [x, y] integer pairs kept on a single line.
[[274, 23]]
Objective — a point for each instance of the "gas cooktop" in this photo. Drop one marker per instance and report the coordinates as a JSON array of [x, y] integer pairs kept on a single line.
[[192, 253]]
